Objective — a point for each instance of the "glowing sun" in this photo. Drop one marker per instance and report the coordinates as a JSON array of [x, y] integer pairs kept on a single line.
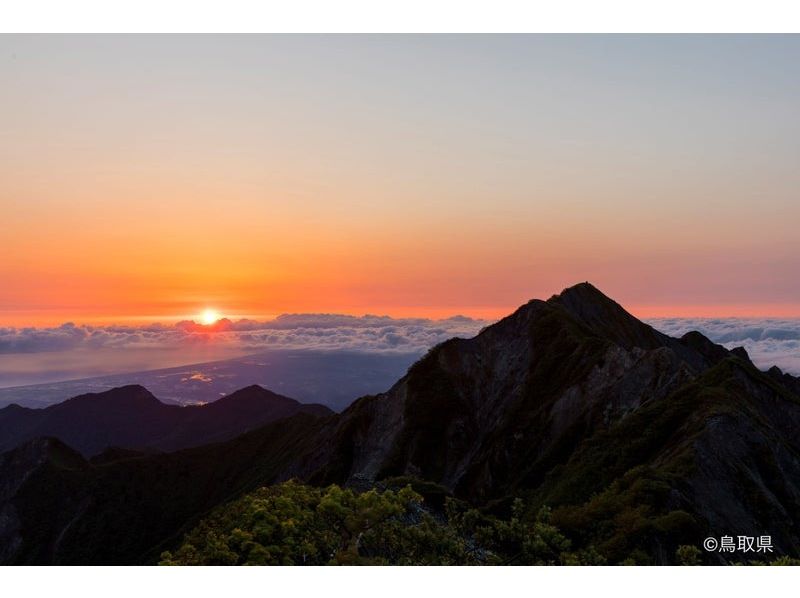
[[209, 316]]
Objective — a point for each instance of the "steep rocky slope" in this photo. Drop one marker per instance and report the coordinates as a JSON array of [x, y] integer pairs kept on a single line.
[[564, 399], [486, 414]]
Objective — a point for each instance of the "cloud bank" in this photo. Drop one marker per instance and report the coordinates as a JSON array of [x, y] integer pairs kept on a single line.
[[71, 351], [768, 341], [289, 331]]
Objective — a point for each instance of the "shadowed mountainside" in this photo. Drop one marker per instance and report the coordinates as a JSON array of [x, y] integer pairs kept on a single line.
[[573, 398], [131, 417], [58, 508]]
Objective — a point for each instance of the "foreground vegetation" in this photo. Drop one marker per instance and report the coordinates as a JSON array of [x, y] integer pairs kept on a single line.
[[294, 524], [297, 524]]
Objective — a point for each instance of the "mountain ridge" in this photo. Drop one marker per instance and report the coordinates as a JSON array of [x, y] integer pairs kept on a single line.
[[639, 442], [131, 417], [510, 409]]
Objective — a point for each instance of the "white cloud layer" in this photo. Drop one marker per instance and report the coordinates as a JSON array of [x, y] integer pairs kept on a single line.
[[768, 341], [290, 331], [34, 355]]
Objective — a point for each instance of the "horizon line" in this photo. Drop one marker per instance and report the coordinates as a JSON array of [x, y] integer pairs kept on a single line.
[[489, 314]]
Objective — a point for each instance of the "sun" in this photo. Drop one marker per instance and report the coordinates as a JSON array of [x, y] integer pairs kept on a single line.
[[209, 316]]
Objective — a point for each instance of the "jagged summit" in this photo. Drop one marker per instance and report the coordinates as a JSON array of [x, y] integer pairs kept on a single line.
[[585, 310], [587, 302], [591, 307], [584, 289]]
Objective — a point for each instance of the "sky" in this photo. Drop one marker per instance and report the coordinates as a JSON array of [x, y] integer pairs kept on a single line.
[[146, 178]]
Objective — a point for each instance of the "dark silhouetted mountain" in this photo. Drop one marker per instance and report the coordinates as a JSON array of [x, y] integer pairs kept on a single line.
[[486, 414], [572, 397], [124, 508], [638, 441], [130, 417]]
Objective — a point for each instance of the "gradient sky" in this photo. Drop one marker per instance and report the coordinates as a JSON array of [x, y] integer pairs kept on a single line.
[[148, 177]]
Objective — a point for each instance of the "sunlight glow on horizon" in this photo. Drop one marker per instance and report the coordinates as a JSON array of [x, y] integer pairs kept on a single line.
[[209, 316], [489, 314]]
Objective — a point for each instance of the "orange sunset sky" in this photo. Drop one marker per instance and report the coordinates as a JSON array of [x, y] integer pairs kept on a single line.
[[149, 177]]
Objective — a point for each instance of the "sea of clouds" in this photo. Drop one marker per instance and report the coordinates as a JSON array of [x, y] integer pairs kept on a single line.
[[71, 351], [75, 351], [768, 341], [289, 331]]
